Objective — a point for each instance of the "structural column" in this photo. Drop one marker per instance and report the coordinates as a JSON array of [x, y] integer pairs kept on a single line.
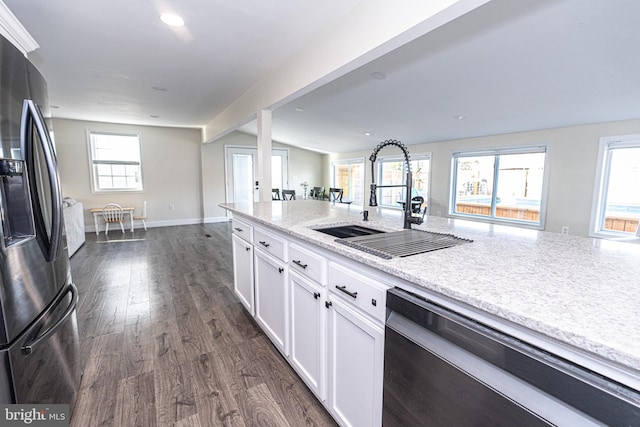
[[264, 155]]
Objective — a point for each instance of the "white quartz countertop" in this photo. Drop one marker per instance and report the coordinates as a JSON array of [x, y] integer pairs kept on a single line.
[[579, 291]]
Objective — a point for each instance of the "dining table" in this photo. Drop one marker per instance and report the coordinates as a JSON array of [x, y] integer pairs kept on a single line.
[[97, 212]]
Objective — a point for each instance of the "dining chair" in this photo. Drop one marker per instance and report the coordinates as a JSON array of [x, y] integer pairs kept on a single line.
[[416, 203], [317, 193], [112, 213], [142, 216], [288, 194], [275, 194], [335, 194]]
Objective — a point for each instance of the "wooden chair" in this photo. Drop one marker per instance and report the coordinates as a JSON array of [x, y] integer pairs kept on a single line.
[[112, 213], [275, 194], [142, 216], [288, 194], [335, 195]]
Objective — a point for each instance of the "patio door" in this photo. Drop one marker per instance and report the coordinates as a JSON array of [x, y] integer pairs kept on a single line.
[[241, 172]]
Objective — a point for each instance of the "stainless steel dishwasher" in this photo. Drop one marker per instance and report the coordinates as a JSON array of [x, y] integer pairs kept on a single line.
[[444, 369]]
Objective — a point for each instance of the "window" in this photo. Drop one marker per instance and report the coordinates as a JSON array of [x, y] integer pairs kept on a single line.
[[500, 185], [617, 201], [349, 175], [115, 162], [393, 171]]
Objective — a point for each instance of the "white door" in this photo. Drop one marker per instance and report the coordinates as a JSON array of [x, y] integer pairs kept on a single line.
[[241, 173]]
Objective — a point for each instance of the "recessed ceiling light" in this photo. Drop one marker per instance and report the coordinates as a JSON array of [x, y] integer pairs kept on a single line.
[[154, 116], [367, 134], [378, 75], [459, 117], [159, 88], [299, 109], [172, 19]]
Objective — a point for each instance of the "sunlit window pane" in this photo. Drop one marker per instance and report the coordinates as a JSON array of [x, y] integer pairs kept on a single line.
[[115, 162], [474, 188], [519, 190], [394, 172], [622, 206], [349, 176], [516, 177]]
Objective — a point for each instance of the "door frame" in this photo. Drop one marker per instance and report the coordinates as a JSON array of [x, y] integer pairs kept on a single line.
[[229, 150]]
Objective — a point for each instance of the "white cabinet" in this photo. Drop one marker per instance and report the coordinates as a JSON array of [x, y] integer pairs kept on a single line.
[[325, 313], [243, 272], [271, 298], [355, 356], [308, 332]]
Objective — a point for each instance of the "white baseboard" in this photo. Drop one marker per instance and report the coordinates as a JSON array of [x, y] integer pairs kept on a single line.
[[215, 219], [166, 223]]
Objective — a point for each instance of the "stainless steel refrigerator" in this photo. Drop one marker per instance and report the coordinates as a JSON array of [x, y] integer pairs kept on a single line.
[[39, 346]]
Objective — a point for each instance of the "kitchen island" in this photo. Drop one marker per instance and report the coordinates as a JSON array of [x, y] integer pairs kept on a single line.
[[573, 296]]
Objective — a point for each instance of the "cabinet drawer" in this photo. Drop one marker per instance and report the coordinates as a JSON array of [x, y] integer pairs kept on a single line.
[[307, 263], [271, 243], [363, 292], [242, 229]]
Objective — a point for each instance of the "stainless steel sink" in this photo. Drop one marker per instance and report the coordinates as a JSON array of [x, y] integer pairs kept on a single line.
[[346, 231], [402, 243]]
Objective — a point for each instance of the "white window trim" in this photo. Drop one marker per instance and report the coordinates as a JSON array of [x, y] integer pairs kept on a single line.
[[92, 183], [546, 148], [603, 164], [412, 157]]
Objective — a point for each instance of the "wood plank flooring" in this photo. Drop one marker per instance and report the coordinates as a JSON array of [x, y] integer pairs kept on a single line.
[[165, 342]]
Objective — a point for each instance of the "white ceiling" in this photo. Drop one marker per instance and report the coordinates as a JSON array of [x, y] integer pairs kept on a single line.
[[103, 59], [508, 66]]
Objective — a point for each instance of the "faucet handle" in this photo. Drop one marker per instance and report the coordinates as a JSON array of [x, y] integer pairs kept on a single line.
[[373, 198]]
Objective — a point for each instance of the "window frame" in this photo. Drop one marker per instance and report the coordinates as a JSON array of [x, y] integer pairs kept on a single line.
[[493, 219], [349, 162], [93, 163], [598, 215], [395, 158]]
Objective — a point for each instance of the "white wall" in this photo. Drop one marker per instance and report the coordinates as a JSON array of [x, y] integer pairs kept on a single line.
[[573, 153], [170, 170], [304, 165]]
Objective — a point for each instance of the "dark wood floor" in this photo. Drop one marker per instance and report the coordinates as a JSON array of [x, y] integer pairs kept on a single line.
[[165, 342]]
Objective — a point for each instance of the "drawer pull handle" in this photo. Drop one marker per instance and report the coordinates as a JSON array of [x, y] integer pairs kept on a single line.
[[374, 302], [328, 304], [248, 248], [353, 295], [300, 264], [316, 295], [280, 269], [265, 244], [239, 230]]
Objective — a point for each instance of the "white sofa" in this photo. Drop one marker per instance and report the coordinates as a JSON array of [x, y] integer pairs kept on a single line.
[[73, 215]]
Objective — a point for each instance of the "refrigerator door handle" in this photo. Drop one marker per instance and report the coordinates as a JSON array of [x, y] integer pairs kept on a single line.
[[30, 109], [28, 348]]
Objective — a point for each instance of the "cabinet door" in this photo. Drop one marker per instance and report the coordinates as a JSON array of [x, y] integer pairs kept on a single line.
[[308, 315], [271, 298], [243, 272], [356, 352]]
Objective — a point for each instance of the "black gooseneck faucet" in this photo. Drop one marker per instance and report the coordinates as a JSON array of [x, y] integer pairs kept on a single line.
[[373, 200]]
